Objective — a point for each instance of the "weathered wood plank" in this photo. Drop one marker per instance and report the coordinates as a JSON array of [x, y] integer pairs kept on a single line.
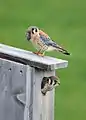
[[48, 101], [12, 82], [37, 106], [43, 106], [20, 84], [28, 58], [29, 89]]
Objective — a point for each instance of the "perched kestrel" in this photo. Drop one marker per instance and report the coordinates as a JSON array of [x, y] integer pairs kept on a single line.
[[42, 42]]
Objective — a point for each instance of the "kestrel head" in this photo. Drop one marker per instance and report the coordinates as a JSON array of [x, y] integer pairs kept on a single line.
[[31, 31]]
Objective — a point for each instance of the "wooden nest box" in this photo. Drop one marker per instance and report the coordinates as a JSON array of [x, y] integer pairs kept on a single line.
[[21, 75]]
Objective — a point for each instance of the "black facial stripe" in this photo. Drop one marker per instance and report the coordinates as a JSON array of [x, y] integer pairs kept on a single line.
[[55, 82], [33, 30], [47, 80], [51, 81]]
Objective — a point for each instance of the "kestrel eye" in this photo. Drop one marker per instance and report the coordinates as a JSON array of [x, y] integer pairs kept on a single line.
[[47, 80]]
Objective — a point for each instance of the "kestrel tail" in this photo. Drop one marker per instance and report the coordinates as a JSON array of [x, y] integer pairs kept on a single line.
[[42, 42]]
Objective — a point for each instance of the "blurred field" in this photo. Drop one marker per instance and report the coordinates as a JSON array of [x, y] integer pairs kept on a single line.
[[65, 22]]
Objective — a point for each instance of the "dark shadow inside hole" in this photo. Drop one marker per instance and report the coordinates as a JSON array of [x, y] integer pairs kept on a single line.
[[21, 71], [10, 69]]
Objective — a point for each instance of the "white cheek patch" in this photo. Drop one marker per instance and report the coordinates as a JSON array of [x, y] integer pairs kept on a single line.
[[34, 31], [49, 81]]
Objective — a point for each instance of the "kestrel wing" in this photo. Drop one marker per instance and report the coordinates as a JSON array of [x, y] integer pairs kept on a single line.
[[47, 40]]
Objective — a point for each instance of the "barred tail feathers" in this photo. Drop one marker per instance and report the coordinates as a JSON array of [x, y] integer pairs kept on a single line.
[[62, 50]]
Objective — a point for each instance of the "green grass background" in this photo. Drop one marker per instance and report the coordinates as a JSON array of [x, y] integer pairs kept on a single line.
[[65, 22]]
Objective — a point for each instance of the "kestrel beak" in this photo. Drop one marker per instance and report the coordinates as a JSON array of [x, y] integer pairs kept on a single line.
[[28, 35]]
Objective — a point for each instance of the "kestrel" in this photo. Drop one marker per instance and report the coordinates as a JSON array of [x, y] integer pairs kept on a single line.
[[42, 42], [48, 83]]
